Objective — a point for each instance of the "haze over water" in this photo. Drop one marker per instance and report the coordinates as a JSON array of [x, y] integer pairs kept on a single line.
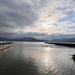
[[32, 58]]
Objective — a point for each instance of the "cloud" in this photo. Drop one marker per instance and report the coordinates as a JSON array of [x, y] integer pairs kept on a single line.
[[59, 36], [17, 14], [41, 16], [57, 17], [22, 35], [43, 36]]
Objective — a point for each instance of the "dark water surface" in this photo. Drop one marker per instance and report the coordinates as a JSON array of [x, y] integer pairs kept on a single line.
[[32, 58]]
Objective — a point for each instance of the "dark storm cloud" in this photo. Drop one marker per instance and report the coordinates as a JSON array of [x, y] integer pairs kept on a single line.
[[43, 36], [14, 14], [21, 34]]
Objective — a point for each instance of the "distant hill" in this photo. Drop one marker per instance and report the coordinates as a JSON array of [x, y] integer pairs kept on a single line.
[[30, 39], [63, 40], [70, 40]]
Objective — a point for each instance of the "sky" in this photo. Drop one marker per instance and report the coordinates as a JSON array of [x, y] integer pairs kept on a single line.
[[38, 17]]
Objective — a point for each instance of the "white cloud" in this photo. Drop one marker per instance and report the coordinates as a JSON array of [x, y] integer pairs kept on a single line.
[[55, 11]]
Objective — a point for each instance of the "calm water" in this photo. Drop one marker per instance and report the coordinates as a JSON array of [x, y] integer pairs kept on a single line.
[[27, 58]]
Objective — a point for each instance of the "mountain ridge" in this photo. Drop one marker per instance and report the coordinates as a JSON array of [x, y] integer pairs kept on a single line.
[[22, 39]]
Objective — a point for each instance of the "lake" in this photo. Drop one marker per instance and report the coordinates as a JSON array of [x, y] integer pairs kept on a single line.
[[37, 58]]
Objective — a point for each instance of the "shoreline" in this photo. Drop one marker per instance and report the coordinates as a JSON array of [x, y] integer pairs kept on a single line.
[[68, 44], [5, 45]]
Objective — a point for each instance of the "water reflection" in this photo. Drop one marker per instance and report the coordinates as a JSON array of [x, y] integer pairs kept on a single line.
[[37, 59], [43, 60], [51, 61]]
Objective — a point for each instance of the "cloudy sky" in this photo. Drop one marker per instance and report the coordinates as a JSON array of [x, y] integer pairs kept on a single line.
[[38, 16]]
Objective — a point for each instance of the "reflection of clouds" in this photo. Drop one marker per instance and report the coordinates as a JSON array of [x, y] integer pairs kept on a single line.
[[52, 61], [44, 60]]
